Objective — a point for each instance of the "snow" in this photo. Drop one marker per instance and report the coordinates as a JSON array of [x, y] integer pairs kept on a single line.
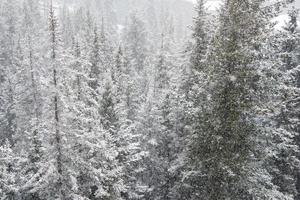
[[281, 20], [127, 119], [120, 29], [193, 1], [232, 78], [211, 5]]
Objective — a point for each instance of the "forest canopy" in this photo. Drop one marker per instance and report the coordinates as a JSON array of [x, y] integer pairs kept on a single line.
[[149, 100]]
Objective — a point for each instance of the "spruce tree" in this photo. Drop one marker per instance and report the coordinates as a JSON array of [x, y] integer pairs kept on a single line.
[[200, 36], [54, 45], [8, 173], [31, 96], [194, 96], [286, 47], [227, 146], [10, 61]]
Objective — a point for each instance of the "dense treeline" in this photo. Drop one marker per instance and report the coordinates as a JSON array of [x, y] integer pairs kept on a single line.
[[94, 110]]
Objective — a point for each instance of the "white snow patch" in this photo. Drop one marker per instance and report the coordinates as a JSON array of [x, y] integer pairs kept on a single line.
[[193, 1], [153, 142], [232, 78], [280, 20], [120, 29], [213, 5]]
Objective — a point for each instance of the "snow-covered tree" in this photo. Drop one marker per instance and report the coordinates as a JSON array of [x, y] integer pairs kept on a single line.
[[286, 47], [56, 65], [117, 100], [10, 61], [201, 36], [8, 172], [230, 139], [136, 43]]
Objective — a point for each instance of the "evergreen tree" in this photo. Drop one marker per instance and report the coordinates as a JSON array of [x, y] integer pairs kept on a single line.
[[136, 43], [59, 186], [214, 118], [110, 123], [107, 110], [195, 96], [286, 48], [8, 174], [160, 122], [128, 140], [200, 35], [31, 95], [10, 60], [228, 143], [106, 50], [95, 62]]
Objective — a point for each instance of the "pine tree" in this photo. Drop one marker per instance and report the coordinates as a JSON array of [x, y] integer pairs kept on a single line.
[[95, 62], [10, 60], [110, 123], [31, 95], [8, 173], [194, 96], [286, 48], [161, 132], [228, 143], [136, 43], [128, 140], [54, 39], [56, 173], [215, 118], [106, 50], [200, 35], [96, 123], [117, 72], [107, 110]]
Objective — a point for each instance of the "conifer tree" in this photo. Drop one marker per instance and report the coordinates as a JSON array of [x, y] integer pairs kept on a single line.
[[95, 62], [136, 41], [195, 96], [54, 45], [200, 35], [10, 60], [96, 106], [286, 48], [226, 149], [31, 95], [136, 91], [8, 173], [128, 140]]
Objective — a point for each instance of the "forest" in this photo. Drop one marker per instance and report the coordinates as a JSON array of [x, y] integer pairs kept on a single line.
[[149, 100]]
